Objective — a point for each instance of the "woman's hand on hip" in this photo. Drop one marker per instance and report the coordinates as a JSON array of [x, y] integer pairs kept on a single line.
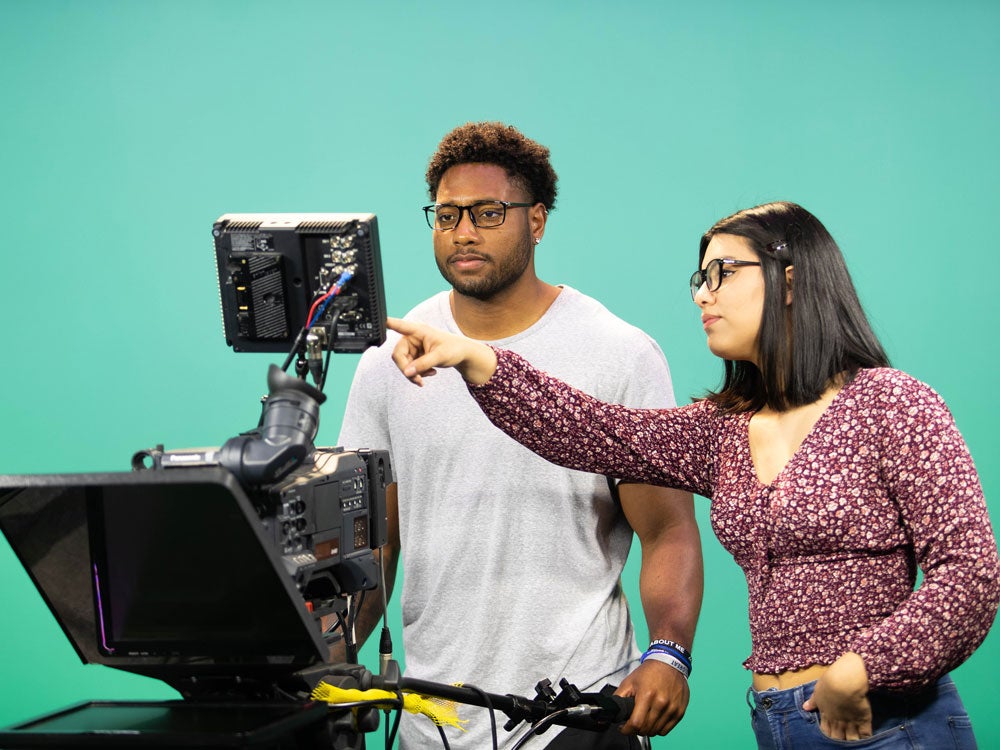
[[841, 697]]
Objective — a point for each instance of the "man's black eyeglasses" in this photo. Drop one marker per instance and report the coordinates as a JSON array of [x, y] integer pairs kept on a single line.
[[484, 214], [713, 273]]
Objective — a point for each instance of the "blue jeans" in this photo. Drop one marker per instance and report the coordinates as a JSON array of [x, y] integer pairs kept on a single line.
[[934, 718]]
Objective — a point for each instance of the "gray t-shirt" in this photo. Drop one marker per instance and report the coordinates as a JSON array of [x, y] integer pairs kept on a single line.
[[511, 564]]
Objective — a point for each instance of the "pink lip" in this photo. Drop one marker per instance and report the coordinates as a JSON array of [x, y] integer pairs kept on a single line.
[[467, 262], [707, 321]]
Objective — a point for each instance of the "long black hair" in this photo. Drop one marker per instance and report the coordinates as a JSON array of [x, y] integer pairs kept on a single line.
[[803, 347]]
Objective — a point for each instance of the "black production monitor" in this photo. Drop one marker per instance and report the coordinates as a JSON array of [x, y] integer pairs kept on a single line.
[[274, 267], [162, 573]]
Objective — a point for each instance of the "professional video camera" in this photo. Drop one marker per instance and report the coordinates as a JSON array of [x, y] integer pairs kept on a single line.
[[218, 570]]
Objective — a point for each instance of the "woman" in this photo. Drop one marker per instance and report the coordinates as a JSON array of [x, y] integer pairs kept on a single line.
[[832, 478]]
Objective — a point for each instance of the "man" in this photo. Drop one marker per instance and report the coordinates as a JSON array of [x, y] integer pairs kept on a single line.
[[511, 564]]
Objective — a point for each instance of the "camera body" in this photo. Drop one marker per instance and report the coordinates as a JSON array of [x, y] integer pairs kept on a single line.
[[322, 511], [325, 520]]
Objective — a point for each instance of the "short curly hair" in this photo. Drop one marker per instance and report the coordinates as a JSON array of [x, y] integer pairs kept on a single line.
[[525, 161]]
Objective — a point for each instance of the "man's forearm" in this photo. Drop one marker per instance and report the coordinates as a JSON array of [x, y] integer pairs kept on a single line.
[[671, 583], [671, 580]]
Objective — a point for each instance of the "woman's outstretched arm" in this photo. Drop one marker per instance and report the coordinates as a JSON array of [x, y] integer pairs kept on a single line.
[[665, 447]]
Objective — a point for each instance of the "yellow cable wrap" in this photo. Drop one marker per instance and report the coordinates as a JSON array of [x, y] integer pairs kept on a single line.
[[438, 710]]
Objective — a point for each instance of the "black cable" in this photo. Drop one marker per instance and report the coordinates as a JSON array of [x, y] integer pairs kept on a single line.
[[385, 596], [334, 633], [395, 725], [302, 331], [330, 635], [444, 740], [360, 597], [331, 329], [538, 727], [341, 624], [396, 704], [376, 703], [385, 638], [489, 705], [384, 644], [326, 367], [294, 350], [350, 648]]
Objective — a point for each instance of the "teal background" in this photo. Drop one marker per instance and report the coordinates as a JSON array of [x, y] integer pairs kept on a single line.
[[126, 128]]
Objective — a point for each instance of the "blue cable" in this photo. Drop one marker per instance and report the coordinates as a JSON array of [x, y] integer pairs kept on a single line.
[[344, 278]]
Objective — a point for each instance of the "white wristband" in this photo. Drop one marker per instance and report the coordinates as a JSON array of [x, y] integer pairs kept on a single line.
[[668, 659]]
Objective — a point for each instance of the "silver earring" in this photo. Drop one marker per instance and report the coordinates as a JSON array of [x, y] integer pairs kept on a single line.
[[537, 240]]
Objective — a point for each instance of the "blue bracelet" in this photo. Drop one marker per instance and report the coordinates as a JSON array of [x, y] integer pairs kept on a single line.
[[670, 647], [672, 644]]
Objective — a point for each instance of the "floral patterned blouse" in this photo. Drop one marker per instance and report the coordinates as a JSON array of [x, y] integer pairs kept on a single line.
[[882, 484]]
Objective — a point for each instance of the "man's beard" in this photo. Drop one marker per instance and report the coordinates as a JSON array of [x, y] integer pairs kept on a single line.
[[498, 277]]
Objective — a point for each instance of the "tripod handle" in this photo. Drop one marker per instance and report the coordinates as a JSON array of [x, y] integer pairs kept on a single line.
[[625, 704], [612, 709]]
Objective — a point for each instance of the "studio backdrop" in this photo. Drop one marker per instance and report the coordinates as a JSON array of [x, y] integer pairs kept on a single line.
[[127, 128]]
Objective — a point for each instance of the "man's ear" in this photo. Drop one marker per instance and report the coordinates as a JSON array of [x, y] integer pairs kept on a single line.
[[538, 215], [789, 273]]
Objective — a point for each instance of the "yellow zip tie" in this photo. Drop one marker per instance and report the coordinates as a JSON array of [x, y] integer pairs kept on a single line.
[[438, 710]]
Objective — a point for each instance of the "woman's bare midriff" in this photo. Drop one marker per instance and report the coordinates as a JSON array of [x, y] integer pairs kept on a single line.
[[788, 679]]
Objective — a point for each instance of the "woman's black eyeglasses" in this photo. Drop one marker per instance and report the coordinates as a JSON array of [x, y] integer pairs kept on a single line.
[[714, 272]]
